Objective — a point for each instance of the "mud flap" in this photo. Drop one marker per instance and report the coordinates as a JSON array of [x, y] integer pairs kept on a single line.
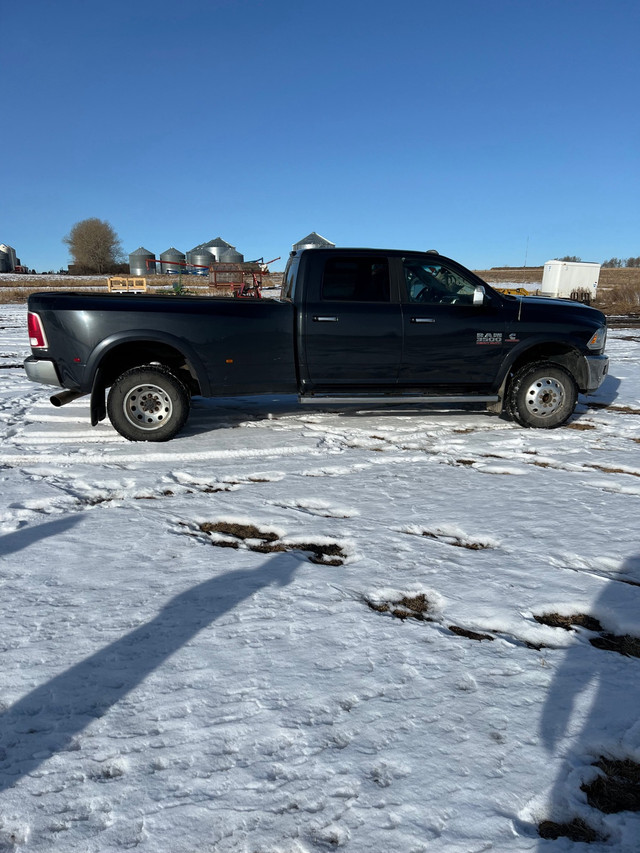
[[98, 399]]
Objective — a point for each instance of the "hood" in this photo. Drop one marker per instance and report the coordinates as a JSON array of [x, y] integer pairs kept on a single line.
[[539, 306]]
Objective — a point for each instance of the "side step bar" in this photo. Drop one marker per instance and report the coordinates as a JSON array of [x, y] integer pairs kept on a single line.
[[405, 399]]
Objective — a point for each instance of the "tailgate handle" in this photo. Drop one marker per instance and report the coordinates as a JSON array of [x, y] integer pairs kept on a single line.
[[320, 318], [422, 320]]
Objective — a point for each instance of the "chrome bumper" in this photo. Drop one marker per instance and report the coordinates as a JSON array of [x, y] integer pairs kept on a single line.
[[44, 372]]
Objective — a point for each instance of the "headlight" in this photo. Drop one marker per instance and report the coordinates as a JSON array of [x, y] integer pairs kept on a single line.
[[599, 339]]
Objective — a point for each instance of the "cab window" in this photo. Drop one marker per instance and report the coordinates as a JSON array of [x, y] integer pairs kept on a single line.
[[356, 280], [435, 284], [289, 278]]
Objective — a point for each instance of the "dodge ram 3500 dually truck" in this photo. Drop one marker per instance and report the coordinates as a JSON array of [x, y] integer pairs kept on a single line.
[[363, 326]]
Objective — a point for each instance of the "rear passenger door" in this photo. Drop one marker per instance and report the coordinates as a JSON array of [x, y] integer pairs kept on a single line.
[[352, 325]]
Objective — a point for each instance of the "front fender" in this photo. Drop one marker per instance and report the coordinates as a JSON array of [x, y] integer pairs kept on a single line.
[[560, 351]]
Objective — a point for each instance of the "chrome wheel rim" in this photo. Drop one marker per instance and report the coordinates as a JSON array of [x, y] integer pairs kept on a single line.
[[147, 407], [544, 397]]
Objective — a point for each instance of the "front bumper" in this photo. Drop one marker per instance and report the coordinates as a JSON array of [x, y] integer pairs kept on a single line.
[[598, 366], [42, 371]]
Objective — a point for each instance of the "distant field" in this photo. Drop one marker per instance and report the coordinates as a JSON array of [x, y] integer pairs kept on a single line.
[[618, 290]]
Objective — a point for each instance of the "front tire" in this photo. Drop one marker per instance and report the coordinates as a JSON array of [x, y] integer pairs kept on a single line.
[[148, 404], [542, 395]]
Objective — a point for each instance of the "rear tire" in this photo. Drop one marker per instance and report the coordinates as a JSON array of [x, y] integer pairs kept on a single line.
[[542, 395], [148, 404]]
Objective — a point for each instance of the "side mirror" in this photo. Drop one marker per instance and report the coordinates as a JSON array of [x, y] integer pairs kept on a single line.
[[478, 295]]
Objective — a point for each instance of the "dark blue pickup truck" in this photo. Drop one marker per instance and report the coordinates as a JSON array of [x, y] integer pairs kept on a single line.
[[351, 325]]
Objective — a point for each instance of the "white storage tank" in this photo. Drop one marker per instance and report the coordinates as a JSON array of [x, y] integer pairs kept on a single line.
[[11, 254], [570, 280]]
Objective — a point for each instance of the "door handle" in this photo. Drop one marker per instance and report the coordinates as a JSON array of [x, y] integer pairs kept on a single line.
[[319, 318], [422, 320]]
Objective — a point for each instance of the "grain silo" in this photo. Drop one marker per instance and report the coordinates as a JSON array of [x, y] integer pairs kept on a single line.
[[200, 259], [231, 256], [313, 241], [4, 262], [223, 252], [142, 262], [172, 261]]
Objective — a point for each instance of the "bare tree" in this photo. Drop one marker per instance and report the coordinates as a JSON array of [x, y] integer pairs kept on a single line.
[[94, 245]]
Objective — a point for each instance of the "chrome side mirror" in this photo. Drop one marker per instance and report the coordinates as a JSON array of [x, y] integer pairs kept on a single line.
[[478, 295]]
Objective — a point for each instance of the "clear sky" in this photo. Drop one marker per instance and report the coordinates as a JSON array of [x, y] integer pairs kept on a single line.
[[496, 131]]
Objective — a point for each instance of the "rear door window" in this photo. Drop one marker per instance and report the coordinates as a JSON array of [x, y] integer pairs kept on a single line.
[[356, 280]]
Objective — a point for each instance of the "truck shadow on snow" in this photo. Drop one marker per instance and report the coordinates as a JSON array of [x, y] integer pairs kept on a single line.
[[212, 413], [606, 394], [209, 414], [48, 720]]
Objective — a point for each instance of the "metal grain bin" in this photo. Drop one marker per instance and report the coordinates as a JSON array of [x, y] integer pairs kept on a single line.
[[138, 262], [230, 256], [172, 261], [200, 259], [217, 247], [313, 241]]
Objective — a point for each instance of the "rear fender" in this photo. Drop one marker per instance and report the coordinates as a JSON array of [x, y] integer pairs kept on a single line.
[[109, 344]]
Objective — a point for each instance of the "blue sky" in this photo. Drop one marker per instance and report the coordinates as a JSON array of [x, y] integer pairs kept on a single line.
[[496, 131]]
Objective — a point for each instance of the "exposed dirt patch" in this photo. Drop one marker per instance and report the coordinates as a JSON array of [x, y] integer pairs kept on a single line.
[[240, 531], [576, 830], [617, 789], [457, 542], [580, 426], [621, 410], [608, 470], [581, 620], [625, 410], [467, 462], [470, 635], [625, 644], [408, 607], [265, 541], [452, 539]]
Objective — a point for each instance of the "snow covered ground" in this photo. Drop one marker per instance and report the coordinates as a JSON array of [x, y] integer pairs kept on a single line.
[[293, 630]]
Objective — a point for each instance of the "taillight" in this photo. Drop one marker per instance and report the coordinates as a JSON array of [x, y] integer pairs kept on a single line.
[[37, 337]]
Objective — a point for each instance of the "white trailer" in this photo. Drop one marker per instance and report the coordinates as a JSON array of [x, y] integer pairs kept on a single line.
[[570, 280]]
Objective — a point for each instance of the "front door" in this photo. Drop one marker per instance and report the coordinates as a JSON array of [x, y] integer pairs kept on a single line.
[[448, 340]]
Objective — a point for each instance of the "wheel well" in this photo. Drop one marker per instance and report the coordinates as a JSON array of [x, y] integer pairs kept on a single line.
[[565, 356], [128, 355]]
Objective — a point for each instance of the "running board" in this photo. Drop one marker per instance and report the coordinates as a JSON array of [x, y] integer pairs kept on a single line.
[[406, 399]]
